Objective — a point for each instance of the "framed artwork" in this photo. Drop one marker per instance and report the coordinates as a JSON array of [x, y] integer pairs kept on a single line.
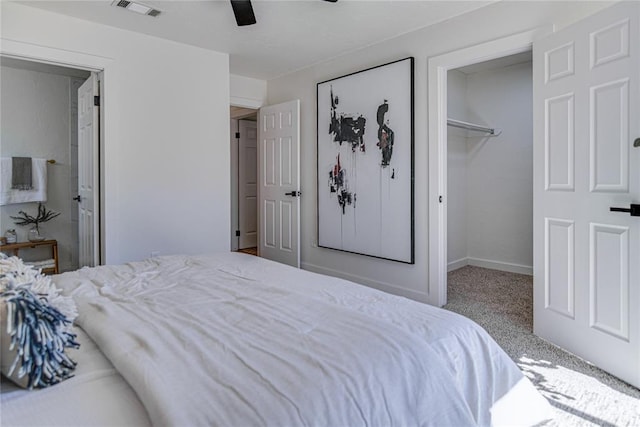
[[365, 162]]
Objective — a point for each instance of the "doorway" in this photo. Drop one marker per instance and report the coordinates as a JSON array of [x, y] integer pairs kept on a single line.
[[585, 98], [490, 165], [244, 174], [48, 93], [489, 194], [438, 146]]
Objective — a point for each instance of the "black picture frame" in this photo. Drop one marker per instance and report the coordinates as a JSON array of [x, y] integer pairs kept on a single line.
[[365, 162]]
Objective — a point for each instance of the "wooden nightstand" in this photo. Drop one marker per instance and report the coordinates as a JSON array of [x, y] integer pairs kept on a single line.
[[15, 249]]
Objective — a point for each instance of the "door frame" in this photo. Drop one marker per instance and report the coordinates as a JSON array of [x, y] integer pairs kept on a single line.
[[438, 66], [71, 59]]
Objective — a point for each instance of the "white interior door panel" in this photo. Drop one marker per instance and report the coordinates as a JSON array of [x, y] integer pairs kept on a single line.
[[586, 256]]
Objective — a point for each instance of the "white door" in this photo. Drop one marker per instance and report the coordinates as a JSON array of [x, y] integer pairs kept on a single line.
[[586, 257], [247, 184], [279, 182], [88, 139]]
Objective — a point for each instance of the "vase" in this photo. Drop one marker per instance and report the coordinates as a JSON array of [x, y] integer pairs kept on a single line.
[[34, 235], [11, 236]]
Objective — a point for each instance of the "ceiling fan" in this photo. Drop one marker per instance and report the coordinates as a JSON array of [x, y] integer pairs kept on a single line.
[[243, 11]]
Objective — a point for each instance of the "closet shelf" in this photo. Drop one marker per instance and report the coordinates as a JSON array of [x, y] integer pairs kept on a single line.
[[472, 126]]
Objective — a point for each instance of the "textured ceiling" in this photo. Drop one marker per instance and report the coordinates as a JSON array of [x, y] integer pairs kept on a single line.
[[289, 35]]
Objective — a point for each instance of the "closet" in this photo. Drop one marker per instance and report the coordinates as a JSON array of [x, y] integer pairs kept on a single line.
[[490, 165]]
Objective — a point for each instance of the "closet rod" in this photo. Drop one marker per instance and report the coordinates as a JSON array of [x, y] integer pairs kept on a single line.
[[471, 126]]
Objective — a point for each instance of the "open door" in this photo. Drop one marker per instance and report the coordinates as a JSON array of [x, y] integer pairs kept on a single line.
[[279, 182], [88, 173], [587, 255], [247, 184]]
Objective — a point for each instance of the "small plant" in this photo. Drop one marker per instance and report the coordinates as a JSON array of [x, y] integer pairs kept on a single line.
[[44, 215]]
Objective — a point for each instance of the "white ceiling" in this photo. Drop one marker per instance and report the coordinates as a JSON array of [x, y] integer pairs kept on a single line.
[[289, 35]]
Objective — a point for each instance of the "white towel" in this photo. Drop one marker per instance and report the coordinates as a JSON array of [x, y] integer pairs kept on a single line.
[[39, 181], [47, 263]]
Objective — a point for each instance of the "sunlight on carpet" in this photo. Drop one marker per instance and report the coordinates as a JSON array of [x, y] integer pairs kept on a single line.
[[580, 393]]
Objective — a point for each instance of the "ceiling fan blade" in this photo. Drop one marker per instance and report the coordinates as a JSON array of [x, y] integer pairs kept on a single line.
[[243, 12], [332, 1]]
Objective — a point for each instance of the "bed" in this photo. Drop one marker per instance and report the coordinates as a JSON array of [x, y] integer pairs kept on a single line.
[[235, 340]]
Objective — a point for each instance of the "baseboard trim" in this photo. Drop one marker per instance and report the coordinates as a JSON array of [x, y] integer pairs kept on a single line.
[[381, 286], [502, 266], [459, 263]]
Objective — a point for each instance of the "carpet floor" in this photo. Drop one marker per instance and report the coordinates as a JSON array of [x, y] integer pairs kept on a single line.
[[581, 394]]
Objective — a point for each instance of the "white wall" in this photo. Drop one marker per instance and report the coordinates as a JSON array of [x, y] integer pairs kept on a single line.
[[247, 92], [37, 121], [490, 189], [166, 154], [500, 169], [497, 20], [457, 170]]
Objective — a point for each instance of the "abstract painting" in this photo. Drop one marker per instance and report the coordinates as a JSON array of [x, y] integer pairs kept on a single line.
[[365, 162]]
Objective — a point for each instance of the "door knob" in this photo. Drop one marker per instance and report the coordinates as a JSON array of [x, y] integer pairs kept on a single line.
[[78, 198], [636, 143], [293, 194], [633, 210]]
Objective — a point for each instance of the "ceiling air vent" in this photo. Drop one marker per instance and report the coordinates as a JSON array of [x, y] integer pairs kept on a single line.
[[136, 7]]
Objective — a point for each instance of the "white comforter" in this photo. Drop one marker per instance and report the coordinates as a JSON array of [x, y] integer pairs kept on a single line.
[[235, 340], [96, 396]]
